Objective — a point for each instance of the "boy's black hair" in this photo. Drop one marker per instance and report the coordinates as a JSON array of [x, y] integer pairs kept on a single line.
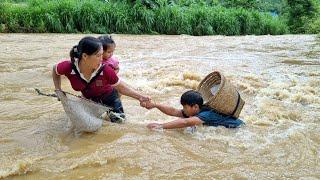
[[191, 98], [106, 41]]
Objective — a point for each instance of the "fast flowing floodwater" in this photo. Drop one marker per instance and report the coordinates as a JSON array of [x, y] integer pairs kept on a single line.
[[278, 76]]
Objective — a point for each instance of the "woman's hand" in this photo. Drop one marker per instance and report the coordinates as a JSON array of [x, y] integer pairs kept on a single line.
[[56, 78], [148, 104], [59, 91], [144, 98]]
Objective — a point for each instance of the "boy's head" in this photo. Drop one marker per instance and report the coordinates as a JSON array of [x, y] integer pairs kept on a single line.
[[191, 101], [108, 45]]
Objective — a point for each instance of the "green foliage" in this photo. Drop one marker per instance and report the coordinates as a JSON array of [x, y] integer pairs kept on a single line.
[[300, 12], [194, 17], [171, 20], [275, 6], [313, 25], [247, 4], [143, 18]]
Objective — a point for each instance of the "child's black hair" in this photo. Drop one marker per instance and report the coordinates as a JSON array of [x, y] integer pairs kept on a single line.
[[106, 41], [191, 98], [89, 45]]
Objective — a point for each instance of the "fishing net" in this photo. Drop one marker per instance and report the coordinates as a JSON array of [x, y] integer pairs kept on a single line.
[[85, 115]]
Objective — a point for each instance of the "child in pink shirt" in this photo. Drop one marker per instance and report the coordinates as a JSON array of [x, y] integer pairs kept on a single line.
[[108, 48]]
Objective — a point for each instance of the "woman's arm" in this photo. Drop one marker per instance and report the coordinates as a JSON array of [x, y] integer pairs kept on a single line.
[[124, 89], [56, 79], [179, 123]]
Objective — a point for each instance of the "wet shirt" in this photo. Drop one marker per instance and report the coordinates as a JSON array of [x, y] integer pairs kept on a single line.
[[100, 83], [212, 118], [112, 62]]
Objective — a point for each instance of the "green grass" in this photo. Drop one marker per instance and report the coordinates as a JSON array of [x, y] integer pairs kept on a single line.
[[93, 16]]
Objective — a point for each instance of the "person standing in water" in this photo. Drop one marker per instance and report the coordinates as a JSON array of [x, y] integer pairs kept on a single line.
[[109, 46], [95, 80]]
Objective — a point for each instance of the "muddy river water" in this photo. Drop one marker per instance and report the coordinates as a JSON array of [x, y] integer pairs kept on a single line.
[[278, 76]]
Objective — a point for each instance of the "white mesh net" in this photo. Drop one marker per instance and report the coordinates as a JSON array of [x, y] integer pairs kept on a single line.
[[85, 115]]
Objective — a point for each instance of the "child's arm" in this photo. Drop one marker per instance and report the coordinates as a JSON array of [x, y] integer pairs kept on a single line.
[[168, 110], [117, 69], [116, 65], [179, 123]]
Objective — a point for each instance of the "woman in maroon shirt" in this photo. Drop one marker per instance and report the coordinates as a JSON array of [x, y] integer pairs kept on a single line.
[[95, 80]]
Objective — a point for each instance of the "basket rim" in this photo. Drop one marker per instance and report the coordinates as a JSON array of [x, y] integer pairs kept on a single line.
[[222, 83], [207, 76]]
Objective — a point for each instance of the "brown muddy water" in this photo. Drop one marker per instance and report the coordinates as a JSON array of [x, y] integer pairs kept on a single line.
[[278, 76]]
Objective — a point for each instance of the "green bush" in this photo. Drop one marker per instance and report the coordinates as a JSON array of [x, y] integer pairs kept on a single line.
[[192, 17], [299, 14]]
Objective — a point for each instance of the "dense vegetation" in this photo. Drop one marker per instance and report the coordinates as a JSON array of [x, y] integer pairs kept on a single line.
[[194, 17]]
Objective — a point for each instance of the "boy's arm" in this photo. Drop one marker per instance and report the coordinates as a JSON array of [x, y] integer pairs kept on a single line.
[[179, 123], [171, 111]]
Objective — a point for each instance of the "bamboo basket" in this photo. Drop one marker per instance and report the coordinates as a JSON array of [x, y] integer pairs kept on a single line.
[[221, 95]]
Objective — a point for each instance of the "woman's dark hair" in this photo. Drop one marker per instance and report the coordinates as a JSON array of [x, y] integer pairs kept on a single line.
[[89, 45], [106, 41], [191, 98]]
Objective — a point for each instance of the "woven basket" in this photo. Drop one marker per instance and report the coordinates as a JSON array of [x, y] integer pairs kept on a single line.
[[226, 99]]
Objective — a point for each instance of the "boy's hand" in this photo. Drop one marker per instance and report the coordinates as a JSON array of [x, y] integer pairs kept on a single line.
[[154, 126], [148, 104]]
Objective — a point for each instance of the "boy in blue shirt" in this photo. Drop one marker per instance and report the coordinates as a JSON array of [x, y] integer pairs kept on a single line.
[[193, 113]]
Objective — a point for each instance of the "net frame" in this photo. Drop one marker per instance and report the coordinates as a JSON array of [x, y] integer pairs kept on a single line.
[[84, 114]]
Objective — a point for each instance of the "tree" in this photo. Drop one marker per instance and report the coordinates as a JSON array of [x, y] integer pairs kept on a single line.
[[246, 4], [299, 14]]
